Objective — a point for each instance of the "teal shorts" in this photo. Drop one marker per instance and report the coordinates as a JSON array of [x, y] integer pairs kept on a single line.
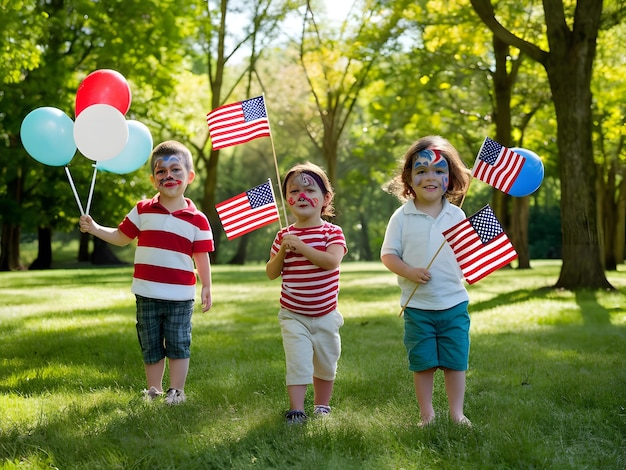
[[164, 328], [437, 338]]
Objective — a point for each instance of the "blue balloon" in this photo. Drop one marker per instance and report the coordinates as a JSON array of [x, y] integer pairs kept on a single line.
[[134, 154], [531, 176], [48, 136]]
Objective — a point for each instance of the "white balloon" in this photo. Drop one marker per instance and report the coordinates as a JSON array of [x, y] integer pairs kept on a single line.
[[100, 132]]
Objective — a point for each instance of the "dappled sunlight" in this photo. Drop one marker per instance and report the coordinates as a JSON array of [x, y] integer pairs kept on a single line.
[[545, 366], [85, 326]]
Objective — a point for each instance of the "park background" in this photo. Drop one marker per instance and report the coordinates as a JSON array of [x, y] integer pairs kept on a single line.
[[350, 91]]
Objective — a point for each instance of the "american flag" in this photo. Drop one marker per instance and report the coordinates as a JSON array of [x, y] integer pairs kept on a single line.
[[497, 166], [480, 245], [238, 123], [248, 211]]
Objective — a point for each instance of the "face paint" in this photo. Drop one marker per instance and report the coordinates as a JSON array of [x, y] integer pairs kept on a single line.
[[431, 164], [168, 171], [306, 181], [303, 197]]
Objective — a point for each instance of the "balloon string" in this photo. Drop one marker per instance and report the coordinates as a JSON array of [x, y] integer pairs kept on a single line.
[[69, 177], [93, 183]]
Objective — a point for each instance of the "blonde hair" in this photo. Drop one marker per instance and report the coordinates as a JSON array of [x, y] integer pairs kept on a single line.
[[320, 178], [460, 175]]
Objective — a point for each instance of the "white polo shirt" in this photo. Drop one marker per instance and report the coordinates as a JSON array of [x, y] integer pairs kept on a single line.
[[415, 237]]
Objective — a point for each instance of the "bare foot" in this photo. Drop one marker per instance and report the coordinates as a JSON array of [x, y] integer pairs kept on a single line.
[[463, 422], [426, 421]]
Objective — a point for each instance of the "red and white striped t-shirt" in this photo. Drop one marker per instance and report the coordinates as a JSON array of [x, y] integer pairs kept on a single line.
[[308, 289], [166, 242]]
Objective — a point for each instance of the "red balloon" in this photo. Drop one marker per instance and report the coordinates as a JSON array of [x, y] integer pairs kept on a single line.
[[103, 87]]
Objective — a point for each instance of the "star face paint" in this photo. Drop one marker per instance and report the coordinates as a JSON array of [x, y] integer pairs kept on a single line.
[[431, 165]]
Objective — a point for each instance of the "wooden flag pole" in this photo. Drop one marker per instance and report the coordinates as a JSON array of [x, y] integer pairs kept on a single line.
[[417, 285], [282, 199]]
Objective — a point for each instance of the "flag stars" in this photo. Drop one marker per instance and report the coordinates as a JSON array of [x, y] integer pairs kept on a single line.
[[260, 196], [254, 108], [491, 151], [486, 225]]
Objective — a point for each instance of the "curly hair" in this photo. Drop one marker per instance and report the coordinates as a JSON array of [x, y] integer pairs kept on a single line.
[[460, 175]]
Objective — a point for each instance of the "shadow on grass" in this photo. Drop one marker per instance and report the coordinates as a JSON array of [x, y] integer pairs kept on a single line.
[[546, 396], [589, 308], [233, 418]]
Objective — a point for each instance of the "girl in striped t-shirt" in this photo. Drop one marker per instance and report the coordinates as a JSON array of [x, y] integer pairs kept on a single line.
[[307, 254]]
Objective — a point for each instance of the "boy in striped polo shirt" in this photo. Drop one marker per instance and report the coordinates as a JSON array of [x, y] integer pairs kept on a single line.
[[307, 254], [172, 235]]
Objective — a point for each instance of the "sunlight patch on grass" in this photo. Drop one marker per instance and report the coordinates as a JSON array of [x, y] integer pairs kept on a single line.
[[544, 384], [84, 325], [55, 376]]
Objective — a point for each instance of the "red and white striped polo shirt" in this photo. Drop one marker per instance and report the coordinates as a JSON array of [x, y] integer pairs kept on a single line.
[[308, 289], [166, 242]]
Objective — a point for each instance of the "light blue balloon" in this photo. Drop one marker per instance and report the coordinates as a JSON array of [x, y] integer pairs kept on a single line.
[[48, 136], [134, 154], [531, 175]]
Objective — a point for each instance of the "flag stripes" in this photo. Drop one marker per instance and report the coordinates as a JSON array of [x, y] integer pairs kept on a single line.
[[238, 123], [480, 245], [248, 211], [497, 165]]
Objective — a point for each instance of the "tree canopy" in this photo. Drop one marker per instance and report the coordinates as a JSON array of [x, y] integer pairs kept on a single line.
[[350, 95]]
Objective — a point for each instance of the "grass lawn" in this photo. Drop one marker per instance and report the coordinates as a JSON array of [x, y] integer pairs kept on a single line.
[[546, 387]]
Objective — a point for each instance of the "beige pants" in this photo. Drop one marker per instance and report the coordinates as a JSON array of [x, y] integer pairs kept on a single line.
[[312, 345]]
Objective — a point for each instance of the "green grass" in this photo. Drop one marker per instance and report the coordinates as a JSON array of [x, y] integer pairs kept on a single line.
[[546, 387]]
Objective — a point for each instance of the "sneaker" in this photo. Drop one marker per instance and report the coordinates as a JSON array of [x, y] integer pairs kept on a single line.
[[151, 394], [174, 396], [295, 417], [321, 410]]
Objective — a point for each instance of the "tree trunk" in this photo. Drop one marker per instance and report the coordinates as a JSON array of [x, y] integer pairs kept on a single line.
[[44, 249], [10, 247], [513, 217], [83, 247], [519, 231], [11, 228], [607, 205], [102, 254], [569, 69], [620, 229], [208, 201], [242, 250], [569, 65]]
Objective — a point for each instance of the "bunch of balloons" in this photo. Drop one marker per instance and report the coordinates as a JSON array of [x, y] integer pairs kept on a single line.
[[100, 131]]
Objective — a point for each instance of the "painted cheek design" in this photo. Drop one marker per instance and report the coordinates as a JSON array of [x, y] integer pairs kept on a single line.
[[291, 201], [417, 179]]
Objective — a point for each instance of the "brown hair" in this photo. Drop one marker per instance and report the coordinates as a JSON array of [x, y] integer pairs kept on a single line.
[[460, 175], [170, 148], [320, 178]]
